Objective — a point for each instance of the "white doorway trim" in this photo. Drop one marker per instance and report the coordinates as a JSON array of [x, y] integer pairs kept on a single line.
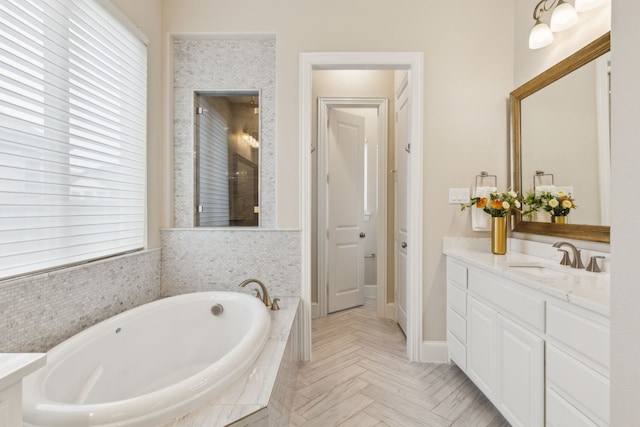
[[324, 105], [414, 62]]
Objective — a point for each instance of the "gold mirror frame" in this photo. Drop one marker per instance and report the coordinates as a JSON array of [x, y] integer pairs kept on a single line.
[[596, 233]]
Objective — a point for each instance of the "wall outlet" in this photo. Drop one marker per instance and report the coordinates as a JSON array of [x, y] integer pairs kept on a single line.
[[459, 195]]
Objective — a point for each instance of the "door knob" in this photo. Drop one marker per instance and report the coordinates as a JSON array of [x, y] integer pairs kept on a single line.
[[362, 235], [404, 245]]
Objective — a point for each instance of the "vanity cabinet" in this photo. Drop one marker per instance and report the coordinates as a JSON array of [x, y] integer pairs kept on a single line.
[[577, 374], [13, 368], [539, 359], [505, 361], [457, 313]]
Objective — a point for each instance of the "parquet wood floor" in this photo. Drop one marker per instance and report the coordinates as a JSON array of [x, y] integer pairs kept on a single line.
[[359, 376]]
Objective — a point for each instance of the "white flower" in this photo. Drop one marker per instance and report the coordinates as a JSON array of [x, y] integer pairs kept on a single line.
[[517, 203], [505, 205], [561, 193], [553, 203], [513, 194]]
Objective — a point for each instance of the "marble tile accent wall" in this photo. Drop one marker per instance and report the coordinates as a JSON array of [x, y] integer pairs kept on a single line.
[[39, 312], [210, 64], [204, 259]]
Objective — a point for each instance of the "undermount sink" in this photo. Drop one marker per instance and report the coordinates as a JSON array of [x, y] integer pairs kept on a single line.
[[538, 270]]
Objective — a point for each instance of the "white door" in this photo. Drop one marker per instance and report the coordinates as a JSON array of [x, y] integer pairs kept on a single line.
[[345, 186], [402, 149]]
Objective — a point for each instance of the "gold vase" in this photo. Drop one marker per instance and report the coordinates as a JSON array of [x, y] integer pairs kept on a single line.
[[499, 235], [559, 219]]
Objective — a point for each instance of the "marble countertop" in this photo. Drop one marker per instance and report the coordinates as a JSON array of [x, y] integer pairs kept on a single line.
[[251, 392], [577, 286], [15, 366]]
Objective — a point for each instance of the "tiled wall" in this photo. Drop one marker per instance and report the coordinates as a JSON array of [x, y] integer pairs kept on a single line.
[[38, 312], [203, 259], [218, 65]]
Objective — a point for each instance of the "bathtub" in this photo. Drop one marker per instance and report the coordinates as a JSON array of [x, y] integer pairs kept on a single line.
[[150, 364]]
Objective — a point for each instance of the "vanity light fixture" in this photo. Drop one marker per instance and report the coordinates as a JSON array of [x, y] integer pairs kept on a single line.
[[563, 17]]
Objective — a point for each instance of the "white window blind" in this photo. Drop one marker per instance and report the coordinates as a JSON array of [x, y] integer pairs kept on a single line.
[[73, 91]]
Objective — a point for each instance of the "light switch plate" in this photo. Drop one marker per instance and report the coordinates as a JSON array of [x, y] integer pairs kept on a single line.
[[459, 195]]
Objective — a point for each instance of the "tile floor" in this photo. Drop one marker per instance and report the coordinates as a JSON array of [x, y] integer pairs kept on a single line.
[[359, 376]]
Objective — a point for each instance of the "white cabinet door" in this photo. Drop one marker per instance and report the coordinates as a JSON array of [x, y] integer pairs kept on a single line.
[[561, 413], [481, 346], [520, 371]]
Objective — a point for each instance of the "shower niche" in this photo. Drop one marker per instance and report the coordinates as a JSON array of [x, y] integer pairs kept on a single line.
[[227, 159]]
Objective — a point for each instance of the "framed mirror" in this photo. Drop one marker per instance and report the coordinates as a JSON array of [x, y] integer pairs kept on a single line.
[[227, 159], [560, 140]]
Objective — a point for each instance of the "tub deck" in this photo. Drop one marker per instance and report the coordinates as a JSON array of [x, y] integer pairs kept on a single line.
[[246, 402]]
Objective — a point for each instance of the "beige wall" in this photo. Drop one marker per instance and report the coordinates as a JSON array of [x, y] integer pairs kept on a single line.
[[468, 48], [147, 16]]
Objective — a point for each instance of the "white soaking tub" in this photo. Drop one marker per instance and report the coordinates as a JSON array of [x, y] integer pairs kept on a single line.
[[150, 364]]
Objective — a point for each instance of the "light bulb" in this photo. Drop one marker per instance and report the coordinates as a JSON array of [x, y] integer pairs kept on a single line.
[[585, 5], [564, 17], [540, 35]]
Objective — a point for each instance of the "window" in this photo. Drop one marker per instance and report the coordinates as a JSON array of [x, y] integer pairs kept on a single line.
[[73, 94]]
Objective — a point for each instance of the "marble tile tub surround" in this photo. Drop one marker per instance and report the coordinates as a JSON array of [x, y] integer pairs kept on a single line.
[[264, 395], [203, 259], [40, 311], [576, 286], [230, 62]]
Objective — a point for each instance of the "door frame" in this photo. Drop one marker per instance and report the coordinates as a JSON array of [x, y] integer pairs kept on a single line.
[[414, 63], [325, 104]]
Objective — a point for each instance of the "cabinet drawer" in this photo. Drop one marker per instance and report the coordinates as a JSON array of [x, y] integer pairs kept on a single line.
[[457, 299], [457, 351], [579, 383], [456, 273], [561, 413], [457, 325], [508, 298], [585, 335]]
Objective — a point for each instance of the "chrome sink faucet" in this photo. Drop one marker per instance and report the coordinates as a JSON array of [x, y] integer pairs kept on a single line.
[[265, 294], [577, 259]]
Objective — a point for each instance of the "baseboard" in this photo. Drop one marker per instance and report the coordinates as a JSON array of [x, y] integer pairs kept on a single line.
[[315, 310], [434, 352], [370, 291], [390, 311]]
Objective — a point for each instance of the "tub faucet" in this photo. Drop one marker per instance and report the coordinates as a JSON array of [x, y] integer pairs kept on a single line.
[[265, 294], [577, 259]]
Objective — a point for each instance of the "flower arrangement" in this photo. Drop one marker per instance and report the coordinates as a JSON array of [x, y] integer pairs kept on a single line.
[[497, 204], [557, 203]]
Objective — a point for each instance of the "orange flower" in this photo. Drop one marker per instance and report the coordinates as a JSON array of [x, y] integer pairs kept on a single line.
[[496, 204], [481, 203]]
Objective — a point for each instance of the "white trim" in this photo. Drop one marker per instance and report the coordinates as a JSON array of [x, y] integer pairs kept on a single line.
[[434, 352], [371, 291], [315, 310], [324, 105], [390, 311], [414, 62]]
